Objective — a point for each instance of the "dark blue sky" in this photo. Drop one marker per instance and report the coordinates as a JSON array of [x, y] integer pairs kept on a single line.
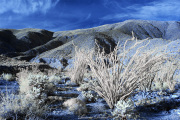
[[58, 15]]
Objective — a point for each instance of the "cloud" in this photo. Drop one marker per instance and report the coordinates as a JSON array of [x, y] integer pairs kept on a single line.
[[166, 9], [157, 10], [26, 7], [112, 4], [88, 16]]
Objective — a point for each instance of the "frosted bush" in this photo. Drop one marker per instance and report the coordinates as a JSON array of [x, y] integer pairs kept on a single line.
[[86, 85], [35, 85], [7, 76], [77, 72], [20, 107], [160, 86], [123, 108], [76, 106], [83, 87], [90, 96], [119, 74], [54, 78]]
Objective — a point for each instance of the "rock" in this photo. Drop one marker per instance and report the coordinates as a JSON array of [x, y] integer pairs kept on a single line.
[[76, 106], [52, 62], [64, 62]]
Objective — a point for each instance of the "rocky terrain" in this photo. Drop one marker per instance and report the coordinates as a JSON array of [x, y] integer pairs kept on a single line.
[[28, 48]]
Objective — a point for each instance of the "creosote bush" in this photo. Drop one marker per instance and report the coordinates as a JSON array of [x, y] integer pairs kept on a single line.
[[120, 73]]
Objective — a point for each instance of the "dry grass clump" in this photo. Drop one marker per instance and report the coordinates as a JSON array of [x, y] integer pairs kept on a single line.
[[20, 107], [7, 76], [124, 109], [164, 78], [31, 102], [36, 82], [76, 106], [27, 79], [119, 74], [79, 68]]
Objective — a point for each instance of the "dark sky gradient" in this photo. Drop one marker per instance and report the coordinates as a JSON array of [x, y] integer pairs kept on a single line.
[[59, 15]]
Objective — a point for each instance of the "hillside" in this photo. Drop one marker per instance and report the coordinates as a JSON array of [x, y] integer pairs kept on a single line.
[[27, 44]]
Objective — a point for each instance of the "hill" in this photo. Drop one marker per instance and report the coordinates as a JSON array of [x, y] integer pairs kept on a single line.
[[42, 45]]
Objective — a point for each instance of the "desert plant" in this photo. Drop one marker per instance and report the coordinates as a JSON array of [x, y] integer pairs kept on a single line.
[[35, 85], [31, 102], [89, 96], [79, 67], [7, 76], [123, 109], [27, 79], [164, 77], [54, 78], [76, 105], [120, 74], [20, 107], [86, 85]]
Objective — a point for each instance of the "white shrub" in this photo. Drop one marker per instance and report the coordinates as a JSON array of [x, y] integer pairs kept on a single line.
[[79, 68], [123, 108], [119, 74], [8, 76], [76, 106], [19, 106]]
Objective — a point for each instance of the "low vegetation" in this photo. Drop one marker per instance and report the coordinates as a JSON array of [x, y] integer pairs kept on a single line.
[[20, 107], [31, 101], [126, 71], [79, 68], [116, 77], [8, 76]]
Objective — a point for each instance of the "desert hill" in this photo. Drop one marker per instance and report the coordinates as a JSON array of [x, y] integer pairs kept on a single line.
[[54, 47]]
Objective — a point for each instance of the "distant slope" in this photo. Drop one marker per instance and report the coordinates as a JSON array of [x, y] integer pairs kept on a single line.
[[13, 42], [29, 43], [109, 35]]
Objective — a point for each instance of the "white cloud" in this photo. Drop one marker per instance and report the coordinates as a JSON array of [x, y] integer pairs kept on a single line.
[[158, 10], [88, 16], [26, 6], [167, 9], [115, 17], [111, 4]]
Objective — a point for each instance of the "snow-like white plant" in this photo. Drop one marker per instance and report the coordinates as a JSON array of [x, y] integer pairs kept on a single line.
[[86, 85], [35, 84], [77, 72], [127, 69], [54, 78], [19, 106], [83, 87], [123, 108], [76, 106], [7, 76], [160, 86], [90, 95]]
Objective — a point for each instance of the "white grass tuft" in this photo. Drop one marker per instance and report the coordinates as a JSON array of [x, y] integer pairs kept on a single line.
[[8, 76]]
